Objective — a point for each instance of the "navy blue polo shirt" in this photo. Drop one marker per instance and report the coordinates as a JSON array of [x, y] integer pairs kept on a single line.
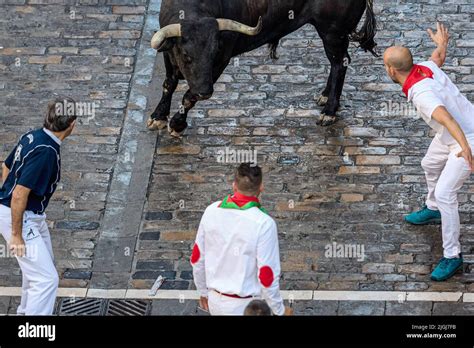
[[35, 163]]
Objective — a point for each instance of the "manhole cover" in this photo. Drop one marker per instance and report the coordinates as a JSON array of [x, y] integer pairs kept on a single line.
[[127, 307], [83, 306]]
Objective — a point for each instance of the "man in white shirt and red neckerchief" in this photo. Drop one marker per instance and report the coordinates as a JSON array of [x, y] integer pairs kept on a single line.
[[236, 256], [448, 163]]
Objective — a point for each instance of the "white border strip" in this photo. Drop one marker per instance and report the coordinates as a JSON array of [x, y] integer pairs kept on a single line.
[[359, 295], [435, 296], [297, 295]]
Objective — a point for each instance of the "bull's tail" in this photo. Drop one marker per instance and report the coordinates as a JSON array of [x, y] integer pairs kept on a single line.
[[365, 36]]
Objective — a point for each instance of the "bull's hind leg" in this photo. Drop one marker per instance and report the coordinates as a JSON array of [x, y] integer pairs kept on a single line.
[[323, 98], [159, 118], [336, 46]]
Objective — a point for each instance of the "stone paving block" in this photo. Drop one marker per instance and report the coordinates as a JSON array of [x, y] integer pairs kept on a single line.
[[77, 274], [4, 305], [361, 308], [176, 308], [320, 308], [110, 280], [114, 254], [443, 308], [408, 308], [14, 303]]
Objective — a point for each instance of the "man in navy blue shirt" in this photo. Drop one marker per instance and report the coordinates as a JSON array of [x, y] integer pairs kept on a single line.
[[31, 174]]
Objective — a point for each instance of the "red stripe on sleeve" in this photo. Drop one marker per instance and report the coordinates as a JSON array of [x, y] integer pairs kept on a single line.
[[266, 276], [196, 255]]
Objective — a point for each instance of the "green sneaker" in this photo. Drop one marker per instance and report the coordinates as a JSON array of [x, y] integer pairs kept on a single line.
[[424, 217], [446, 268]]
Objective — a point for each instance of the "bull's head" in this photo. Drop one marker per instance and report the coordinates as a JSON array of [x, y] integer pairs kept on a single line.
[[197, 44]]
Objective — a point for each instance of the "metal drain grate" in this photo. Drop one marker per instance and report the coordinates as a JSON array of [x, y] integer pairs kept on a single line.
[[83, 306], [96, 306], [127, 308]]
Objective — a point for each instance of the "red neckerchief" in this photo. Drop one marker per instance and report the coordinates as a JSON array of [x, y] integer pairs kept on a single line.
[[418, 73], [241, 200]]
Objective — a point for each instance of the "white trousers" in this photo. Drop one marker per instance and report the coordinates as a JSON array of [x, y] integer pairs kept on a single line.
[[445, 175], [40, 278], [225, 305]]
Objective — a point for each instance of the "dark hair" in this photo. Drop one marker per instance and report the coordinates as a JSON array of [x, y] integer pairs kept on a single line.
[[258, 308], [60, 115], [248, 178]]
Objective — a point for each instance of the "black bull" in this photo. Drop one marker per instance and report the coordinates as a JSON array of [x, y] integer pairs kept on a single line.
[[199, 38]]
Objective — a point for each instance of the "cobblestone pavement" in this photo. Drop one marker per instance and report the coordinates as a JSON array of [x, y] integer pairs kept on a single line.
[[84, 49], [348, 184], [354, 180]]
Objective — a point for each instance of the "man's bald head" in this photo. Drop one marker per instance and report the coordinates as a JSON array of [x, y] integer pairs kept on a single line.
[[399, 58]]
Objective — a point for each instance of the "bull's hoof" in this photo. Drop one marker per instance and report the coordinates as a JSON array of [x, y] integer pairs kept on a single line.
[[175, 134], [322, 100], [156, 124], [325, 120]]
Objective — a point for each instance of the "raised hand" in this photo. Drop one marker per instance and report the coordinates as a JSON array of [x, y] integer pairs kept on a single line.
[[441, 38]]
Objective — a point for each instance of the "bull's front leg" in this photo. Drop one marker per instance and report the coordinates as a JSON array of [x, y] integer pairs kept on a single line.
[[178, 124], [159, 118]]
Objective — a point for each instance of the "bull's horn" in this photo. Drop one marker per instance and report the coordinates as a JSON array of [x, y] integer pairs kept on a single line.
[[172, 30], [230, 25]]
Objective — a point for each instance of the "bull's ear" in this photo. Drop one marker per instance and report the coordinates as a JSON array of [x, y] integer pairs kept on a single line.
[[166, 45]]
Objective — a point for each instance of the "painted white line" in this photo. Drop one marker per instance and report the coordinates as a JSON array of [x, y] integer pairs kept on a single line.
[[468, 297], [72, 292], [359, 295], [300, 295], [163, 294], [434, 296], [102, 293], [5, 291], [296, 295]]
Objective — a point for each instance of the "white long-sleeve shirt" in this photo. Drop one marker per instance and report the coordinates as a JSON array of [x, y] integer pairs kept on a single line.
[[430, 87], [237, 252]]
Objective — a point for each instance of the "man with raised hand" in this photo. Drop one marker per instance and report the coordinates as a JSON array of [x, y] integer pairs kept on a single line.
[[448, 162], [236, 256], [31, 174]]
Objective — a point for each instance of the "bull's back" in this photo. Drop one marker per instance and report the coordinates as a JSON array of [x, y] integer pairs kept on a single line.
[[280, 17], [281, 13]]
